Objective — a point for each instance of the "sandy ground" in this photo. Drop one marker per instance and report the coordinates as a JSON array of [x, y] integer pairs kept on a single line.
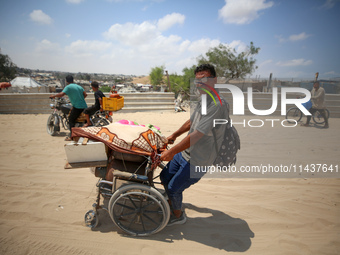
[[43, 204]]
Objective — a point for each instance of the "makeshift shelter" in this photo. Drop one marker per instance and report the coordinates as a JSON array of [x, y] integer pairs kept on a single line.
[[27, 82], [27, 85]]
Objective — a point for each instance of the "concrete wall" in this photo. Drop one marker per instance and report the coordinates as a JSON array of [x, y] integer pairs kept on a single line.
[[40, 103], [26, 90], [263, 101], [133, 102]]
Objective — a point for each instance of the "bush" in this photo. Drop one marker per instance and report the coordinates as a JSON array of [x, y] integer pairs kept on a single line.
[[105, 88]]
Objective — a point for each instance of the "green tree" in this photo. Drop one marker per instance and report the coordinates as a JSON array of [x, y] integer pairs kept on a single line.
[[157, 75], [230, 65], [177, 83], [105, 88], [7, 68], [87, 77], [188, 74], [181, 83]]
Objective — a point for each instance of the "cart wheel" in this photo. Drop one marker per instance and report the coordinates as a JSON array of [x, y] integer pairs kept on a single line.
[[317, 117], [91, 219], [293, 114], [139, 210]]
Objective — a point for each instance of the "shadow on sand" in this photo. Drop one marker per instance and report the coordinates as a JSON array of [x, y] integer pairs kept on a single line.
[[218, 230]]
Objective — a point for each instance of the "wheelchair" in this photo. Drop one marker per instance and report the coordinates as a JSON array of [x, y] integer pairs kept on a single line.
[[127, 189]]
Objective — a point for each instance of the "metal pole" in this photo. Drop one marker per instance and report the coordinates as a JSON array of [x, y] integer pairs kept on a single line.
[[269, 82], [167, 76]]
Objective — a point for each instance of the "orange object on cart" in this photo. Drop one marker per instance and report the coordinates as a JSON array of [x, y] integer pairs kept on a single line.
[[113, 103], [114, 94]]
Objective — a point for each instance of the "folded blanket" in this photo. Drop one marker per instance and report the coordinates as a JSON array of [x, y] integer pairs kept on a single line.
[[125, 138]]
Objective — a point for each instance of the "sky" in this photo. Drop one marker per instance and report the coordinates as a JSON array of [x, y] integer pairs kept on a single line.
[[297, 38]]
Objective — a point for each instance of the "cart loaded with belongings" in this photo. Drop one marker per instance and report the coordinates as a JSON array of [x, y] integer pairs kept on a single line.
[[124, 157]]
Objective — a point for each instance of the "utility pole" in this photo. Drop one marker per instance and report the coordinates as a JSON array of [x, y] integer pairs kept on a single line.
[[269, 84], [167, 76]]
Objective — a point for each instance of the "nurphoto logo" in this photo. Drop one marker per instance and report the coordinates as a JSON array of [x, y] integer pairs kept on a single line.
[[238, 103]]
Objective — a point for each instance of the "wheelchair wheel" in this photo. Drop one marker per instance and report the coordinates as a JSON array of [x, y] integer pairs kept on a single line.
[[317, 117], [139, 210], [91, 219], [293, 114]]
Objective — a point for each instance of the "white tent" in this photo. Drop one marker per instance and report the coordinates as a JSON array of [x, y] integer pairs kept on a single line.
[[25, 82], [26, 85]]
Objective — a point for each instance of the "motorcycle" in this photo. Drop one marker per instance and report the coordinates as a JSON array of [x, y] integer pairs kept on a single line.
[[61, 110]]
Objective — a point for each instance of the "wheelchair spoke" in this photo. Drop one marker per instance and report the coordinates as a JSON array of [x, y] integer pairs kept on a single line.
[[146, 216], [155, 211], [141, 219], [127, 214], [132, 201], [134, 218], [150, 203], [125, 206]]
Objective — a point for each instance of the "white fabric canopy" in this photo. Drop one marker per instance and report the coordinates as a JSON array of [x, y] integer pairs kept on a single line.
[[25, 82]]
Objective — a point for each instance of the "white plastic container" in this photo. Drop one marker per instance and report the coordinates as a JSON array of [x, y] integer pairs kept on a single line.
[[78, 152]]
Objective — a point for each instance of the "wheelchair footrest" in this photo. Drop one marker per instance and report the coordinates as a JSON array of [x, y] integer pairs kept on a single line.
[[130, 176]]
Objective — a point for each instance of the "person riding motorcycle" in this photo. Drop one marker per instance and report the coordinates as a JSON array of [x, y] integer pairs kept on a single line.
[[98, 95], [77, 96]]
